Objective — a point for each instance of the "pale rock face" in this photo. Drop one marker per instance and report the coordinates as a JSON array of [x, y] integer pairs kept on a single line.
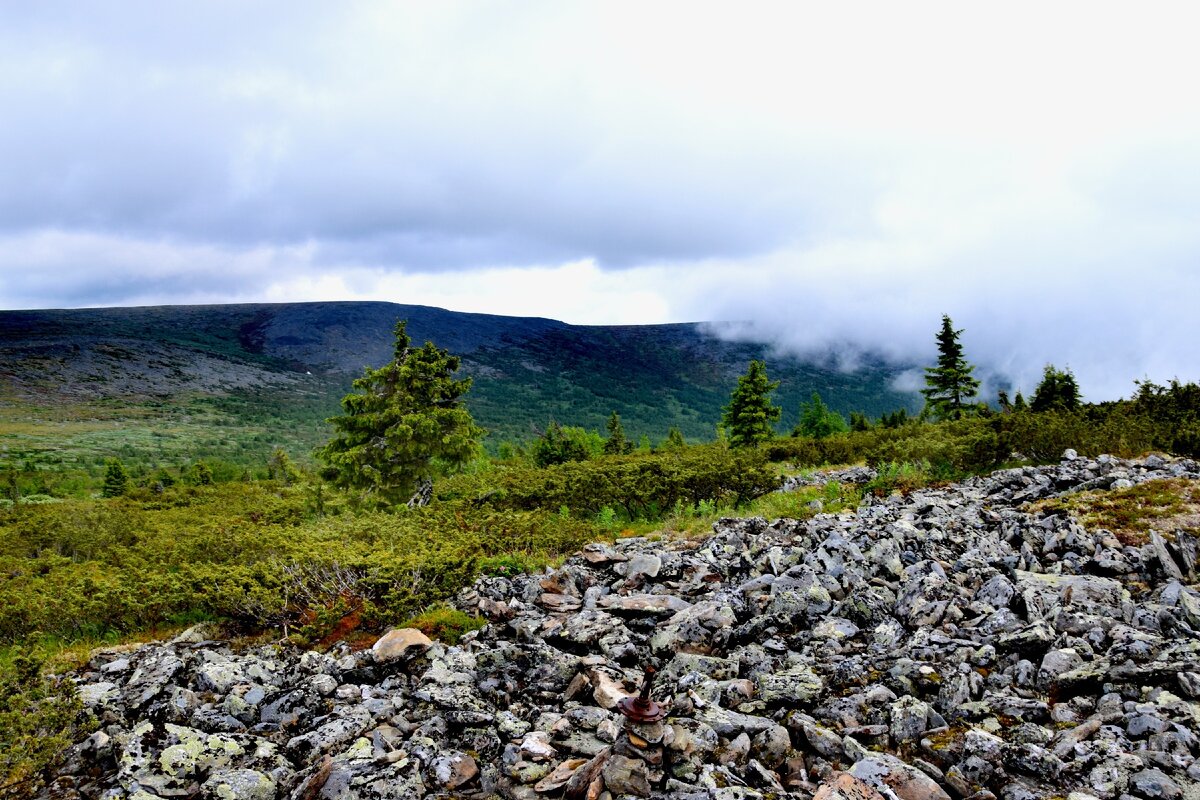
[[949, 643], [400, 643]]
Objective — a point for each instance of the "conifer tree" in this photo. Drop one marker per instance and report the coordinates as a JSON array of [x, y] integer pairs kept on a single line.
[[280, 467], [1058, 391], [949, 384], [675, 439], [818, 420], [12, 489], [749, 416], [405, 424], [116, 480], [559, 444], [616, 443], [201, 474]]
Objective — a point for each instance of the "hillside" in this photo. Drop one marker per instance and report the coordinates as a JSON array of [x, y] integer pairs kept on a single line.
[[197, 372]]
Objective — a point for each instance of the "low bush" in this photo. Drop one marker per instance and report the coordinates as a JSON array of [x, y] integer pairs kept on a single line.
[[639, 485], [253, 566]]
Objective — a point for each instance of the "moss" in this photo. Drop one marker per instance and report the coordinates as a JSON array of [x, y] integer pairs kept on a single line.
[[944, 740], [445, 624]]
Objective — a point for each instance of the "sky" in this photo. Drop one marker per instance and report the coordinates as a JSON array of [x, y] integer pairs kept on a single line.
[[829, 177]]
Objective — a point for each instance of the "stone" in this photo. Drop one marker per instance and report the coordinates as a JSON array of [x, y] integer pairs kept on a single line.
[[887, 773], [560, 602], [655, 604], [623, 775], [793, 686], [716, 668], [1056, 663], [909, 719], [453, 770], [600, 553], [560, 775], [588, 780], [639, 565], [606, 690], [102, 693], [844, 786], [400, 643], [238, 784], [1154, 785]]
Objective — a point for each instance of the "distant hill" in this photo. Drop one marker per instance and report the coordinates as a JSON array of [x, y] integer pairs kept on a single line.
[[526, 370]]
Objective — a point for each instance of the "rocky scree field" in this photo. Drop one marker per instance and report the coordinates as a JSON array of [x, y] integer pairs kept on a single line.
[[957, 642]]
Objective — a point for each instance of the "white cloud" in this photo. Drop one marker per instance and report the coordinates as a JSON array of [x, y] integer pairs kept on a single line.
[[837, 173]]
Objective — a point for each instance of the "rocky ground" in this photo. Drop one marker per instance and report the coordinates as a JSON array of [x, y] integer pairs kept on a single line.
[[947, 644]]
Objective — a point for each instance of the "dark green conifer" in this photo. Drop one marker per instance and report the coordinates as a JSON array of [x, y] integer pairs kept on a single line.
[[674, 439], [1058, 391], [116, 480], [616, 443], [950, 385], [749, 416], [405, 424], [818, 420]]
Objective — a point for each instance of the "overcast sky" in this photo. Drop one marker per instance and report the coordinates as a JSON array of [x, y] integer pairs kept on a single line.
[[830, 174]]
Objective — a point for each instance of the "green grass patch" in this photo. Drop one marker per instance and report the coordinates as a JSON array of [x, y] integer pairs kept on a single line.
[[444, 623]]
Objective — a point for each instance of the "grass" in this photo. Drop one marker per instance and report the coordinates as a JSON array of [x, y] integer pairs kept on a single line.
[[62, 654], [1165, 505], [697, 520]]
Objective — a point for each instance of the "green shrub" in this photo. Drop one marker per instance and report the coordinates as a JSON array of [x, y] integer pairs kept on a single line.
[[561, 444], [640, 485], [903, 477], [39, 719], [244, 553]]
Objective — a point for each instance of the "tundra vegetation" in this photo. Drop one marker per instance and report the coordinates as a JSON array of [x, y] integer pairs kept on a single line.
[[319, 552]]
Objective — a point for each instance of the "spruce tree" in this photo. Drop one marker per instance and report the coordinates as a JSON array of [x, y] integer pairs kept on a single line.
[[405, 424], [949, 384], [559, 444], [749, 416], [1058, 391], [675, 439], [818, 420], [859, 421], [116, 480], [616, 443]]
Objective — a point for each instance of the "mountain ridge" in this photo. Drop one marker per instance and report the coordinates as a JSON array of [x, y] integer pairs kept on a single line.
[[526, 370]]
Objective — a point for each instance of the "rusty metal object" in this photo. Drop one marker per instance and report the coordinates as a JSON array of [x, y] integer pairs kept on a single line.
[[641, 708]]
